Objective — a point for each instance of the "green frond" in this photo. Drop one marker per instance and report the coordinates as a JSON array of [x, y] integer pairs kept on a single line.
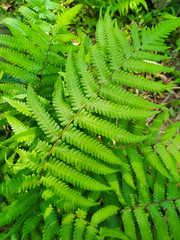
[[51, 219], [99, 64], [117, 94], [64, 112], [25, 44], [115, 54], [73, 85], [154, 160], [80, 160], [31, 223], [173, 218], [135, 38], [67, 16], [16, 125], [48, 125], [31, 160], [47, 234], [19, 106], [91, 233], [87, 80], [19, 73], [12, 89], [173, 149], [170, 132], [93, 168], [102, 214], [26, 136], [145, 66], [114, 110], [125, 5], [128, 221], [143, 223], [20, 60], [71, 175], [148, 56], [135, 81], [19, 184], [115, 185], [100, 33], [79, 229], [89, 145], [167, 159], [62, 190], [159, 222], [112, 233], [105, 128], [18, 207], [137, 164], [122, 41], [153, 39], [159, 188], [67, 226]]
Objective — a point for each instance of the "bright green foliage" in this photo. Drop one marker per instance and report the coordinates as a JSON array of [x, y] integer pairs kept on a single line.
[[80, 162]]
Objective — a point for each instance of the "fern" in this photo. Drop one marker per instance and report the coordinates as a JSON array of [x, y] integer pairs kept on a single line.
[[80, 162]]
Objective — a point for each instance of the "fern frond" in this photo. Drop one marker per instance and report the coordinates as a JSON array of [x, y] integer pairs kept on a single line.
[[173, 218], [87, 80], [148, 56], [143, 223], [102, 214], [27, 136], [70, 175], [48, 125], [117, 94], [73, 85], [89, 145], [128, 220], [66, 17], [12, 88], [74, 157], [64, 191], [79, 229], [31, 223], [117, 111], [19, 184], [19, 73], [170, 132], [67, 226], [122, 41], [124, 5], [137, 164], [173, 149], [167, 159], [114, 183], [51, 220], [160, 224], [135, 37], [99, 64], [105, 128], [153, 39], [64, 112], [18, 207], [16, 125], [130, 80], [113, 233], [19, 106], [154, 160], [145, 66]]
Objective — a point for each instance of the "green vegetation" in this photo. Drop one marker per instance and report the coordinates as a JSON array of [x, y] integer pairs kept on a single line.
[[84, 151]]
